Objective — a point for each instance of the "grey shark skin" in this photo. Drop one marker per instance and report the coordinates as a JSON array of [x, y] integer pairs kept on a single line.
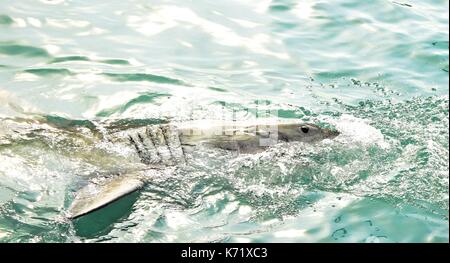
[[89, 200], [306, 132], [256, 138], [161, 146]]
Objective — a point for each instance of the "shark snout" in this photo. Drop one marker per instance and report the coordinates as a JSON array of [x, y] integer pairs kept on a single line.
[[331, 134]]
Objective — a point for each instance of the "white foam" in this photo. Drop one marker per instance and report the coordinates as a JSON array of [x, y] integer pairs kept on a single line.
[[356, 130]]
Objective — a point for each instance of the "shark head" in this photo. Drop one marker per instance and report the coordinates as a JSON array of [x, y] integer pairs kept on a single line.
[[304, 132]]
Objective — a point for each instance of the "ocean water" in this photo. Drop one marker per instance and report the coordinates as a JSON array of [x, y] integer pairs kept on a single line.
[[377, 71]]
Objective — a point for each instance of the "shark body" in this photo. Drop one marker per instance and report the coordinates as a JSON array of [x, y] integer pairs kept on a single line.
[[167, 145]]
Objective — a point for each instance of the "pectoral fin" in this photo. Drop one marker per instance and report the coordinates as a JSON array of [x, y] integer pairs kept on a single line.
[[93, 197]]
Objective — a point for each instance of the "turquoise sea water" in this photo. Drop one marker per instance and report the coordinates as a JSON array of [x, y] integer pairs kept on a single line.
[[375, 70]]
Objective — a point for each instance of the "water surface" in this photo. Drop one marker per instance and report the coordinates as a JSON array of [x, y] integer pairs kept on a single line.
[[375, 70]]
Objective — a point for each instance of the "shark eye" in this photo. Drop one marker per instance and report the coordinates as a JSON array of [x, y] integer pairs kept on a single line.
[[304, 129]]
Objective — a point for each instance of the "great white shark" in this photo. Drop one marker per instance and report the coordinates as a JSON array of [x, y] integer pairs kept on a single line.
[[163, 146]]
